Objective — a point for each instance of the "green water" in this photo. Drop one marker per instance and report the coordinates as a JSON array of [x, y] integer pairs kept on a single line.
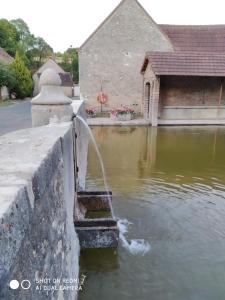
[[170, 183], [97, 214]]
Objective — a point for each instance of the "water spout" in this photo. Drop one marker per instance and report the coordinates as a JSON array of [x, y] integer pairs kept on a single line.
[[100, 160], [137, 246]]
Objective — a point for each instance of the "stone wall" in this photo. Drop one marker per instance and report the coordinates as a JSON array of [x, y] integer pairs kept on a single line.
[[37, 196], [68, 91], [113, 56]]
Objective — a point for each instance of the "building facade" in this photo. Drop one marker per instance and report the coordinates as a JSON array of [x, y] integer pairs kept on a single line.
[[111, 58]]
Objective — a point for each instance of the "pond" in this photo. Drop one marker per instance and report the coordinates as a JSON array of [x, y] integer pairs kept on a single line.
[[169, 182]]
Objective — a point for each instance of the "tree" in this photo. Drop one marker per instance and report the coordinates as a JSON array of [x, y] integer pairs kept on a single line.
[[40, 51], [24, 83], [70, 63], [33, 50], [22, 28], [24, 40], [75, 68], [22, 53], [9, 36]]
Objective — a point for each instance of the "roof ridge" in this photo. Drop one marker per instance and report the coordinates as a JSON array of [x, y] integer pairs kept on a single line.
[[183, 52], [192, 25]]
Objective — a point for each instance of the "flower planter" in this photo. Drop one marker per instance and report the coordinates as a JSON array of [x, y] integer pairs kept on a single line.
[[91, 116], [122, 117]]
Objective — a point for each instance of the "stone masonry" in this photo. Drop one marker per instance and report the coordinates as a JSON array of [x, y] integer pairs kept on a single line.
[[112, 57]]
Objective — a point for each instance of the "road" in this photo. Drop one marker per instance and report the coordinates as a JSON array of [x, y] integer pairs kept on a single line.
[[15, 117]]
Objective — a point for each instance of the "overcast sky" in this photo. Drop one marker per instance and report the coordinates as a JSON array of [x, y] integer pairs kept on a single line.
[[69, 22]]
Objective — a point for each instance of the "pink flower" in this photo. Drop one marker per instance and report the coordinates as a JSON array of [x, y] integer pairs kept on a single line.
[[102, 98]]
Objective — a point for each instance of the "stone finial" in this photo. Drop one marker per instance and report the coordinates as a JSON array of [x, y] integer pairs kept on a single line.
[[50, 77], [51, 103]]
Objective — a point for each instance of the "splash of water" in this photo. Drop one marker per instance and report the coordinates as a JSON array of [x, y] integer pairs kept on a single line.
[[100, 160], [137, 246]]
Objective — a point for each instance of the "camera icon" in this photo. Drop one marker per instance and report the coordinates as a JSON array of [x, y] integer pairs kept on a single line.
[[25, 284], [14, 284]]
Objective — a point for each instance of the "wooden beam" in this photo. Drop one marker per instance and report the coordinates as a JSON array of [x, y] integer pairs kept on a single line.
[[220, 97]]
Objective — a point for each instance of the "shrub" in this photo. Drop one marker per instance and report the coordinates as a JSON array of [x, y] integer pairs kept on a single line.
[[23, 81]]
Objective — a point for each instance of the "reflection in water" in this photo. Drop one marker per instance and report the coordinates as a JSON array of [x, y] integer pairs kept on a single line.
[[170, 184]]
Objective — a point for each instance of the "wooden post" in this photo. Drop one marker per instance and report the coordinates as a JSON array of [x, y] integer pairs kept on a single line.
[[220, 97], [155, 102]]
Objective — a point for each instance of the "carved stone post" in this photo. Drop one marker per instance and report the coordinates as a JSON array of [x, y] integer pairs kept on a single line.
[[51, 104]]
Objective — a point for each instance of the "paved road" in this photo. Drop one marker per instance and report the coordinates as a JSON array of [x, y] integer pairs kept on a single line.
[[15, 117]]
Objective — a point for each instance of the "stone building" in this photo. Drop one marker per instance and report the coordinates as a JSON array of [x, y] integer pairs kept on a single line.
[[67, 82], [5, 58], [181, 77], [112, 56]]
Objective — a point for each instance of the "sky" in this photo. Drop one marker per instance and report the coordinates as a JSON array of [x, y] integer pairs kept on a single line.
[[68, 23]]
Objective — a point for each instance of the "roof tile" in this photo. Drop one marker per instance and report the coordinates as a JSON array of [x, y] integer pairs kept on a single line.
[[186, 63], [203, 38]]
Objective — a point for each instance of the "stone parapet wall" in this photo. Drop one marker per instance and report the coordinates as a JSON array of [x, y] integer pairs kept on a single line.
[[37, 193]]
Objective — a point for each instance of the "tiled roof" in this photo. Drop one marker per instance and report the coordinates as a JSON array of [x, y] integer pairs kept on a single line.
[[5, 57], [201, 38], [186, 63], [66, 79]]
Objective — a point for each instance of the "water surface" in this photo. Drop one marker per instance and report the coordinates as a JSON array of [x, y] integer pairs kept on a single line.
[[170, 183]]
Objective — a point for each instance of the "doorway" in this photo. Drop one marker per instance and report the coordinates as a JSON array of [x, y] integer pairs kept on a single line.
[[147, 99]]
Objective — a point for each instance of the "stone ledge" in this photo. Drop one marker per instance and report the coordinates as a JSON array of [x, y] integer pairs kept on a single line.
[[192, 122], [110, 122]]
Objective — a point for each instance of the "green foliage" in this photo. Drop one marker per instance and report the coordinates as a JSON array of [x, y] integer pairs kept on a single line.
[[70, 63], [75, 68], [9, 36], [22, 53], [33, 50], [6, 76], [24, 85], [22, 28], [39, 51]]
